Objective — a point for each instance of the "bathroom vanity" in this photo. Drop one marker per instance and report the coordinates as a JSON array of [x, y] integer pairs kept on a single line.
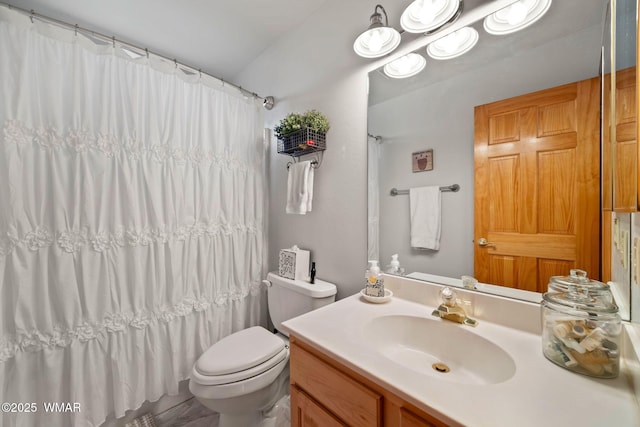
[[395, 364], [325, 392]]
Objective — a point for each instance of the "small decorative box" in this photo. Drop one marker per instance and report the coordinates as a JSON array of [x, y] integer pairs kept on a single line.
[[294, 264]]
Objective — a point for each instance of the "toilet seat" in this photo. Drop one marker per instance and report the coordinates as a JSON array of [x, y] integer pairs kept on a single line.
[[239, 356], [199, 387]]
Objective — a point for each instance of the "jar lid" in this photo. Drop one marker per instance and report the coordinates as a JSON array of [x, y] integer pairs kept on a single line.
[[576, 278], [579, 292]]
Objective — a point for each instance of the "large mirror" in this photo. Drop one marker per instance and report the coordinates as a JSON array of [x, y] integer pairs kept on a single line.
[[622, 199], [434, 110]]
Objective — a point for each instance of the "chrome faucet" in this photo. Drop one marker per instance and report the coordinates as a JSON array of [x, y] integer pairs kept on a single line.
[[450, 310]]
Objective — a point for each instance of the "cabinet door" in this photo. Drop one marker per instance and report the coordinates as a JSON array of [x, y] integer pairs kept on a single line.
[[307, 413], [409, 419], [340, 394]]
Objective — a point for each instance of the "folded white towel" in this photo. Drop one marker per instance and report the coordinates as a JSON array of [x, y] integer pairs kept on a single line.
[[300, 188], [425, 217]]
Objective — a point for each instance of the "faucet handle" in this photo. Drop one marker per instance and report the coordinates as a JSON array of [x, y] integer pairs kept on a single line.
[[470, 322], [450, 309], [448, 296]]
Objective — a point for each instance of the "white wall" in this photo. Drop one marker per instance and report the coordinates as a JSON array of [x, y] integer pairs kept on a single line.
[[314, 67], [441, 117]]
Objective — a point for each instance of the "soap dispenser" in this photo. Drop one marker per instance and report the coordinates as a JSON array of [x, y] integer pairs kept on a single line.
[[374, 283], [394, 266]]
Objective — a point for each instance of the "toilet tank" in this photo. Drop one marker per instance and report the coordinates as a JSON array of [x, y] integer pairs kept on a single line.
[[290, 298]]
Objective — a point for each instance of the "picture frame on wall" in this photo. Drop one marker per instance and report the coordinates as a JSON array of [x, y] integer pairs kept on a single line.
[[422, 160]]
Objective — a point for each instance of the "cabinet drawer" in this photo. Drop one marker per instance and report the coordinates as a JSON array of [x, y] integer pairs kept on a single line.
[[344, 397], [409, 419], [307, 413]]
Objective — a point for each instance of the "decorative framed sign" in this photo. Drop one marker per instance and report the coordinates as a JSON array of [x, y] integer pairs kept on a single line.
[[422, 160]]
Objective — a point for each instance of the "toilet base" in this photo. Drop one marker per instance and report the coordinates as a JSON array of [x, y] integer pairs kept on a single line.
[[247, 410]]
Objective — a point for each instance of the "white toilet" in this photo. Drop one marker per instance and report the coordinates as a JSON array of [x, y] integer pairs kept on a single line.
[[245, 373]]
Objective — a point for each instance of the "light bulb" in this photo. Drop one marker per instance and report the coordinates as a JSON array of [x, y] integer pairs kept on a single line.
[[403, 65], [375, 41], [426, 11], [450, 43], [517, 13]]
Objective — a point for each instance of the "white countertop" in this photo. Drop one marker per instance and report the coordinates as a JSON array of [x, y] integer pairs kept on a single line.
[[539, 393]]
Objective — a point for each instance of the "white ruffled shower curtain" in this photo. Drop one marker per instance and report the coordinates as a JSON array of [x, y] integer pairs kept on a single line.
[[373, 192], [131, 222]]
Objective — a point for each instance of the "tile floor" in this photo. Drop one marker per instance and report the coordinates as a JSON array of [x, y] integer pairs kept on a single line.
[[192, 413], [188, 414]]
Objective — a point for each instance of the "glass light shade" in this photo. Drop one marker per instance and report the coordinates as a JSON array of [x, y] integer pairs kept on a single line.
[[376, 42], [405, 66], [426, 15], [454, 44], [515, 17]]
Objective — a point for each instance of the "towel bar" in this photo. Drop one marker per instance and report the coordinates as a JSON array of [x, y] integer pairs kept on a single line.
[[314, 164], [450, 188]]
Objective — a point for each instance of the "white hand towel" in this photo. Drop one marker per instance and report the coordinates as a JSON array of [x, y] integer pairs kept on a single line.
[[424, 203], [300, 188]]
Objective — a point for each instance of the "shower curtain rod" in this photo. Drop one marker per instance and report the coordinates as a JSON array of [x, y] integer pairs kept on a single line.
[[139, 50]]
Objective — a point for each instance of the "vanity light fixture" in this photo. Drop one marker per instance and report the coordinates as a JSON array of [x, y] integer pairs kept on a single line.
[[454, 44], [405, 66], [426, 16], [516, 16], [379, 39]]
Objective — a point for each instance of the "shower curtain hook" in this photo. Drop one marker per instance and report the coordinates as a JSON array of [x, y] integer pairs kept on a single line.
[[146, 50], [76, 30], [175, 62], [32, 14], [113, 40]]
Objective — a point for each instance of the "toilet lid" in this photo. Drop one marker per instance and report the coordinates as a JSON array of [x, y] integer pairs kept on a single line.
[[240, 351]]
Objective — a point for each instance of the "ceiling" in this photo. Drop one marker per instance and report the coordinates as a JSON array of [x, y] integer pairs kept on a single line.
[[221, 37], [564, 18]]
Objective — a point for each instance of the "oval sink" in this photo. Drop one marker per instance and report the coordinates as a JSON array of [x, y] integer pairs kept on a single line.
[[424, 345]]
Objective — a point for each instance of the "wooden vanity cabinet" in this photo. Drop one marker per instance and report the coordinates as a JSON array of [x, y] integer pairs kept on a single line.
[[325, 393]]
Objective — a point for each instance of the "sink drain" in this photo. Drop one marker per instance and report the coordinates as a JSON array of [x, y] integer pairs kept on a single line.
[[440, 367]]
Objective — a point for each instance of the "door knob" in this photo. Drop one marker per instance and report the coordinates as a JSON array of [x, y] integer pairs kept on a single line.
[[482, 242]]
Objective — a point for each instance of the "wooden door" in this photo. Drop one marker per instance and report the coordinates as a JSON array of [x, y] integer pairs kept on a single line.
[[537, 186], [625, 165]]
